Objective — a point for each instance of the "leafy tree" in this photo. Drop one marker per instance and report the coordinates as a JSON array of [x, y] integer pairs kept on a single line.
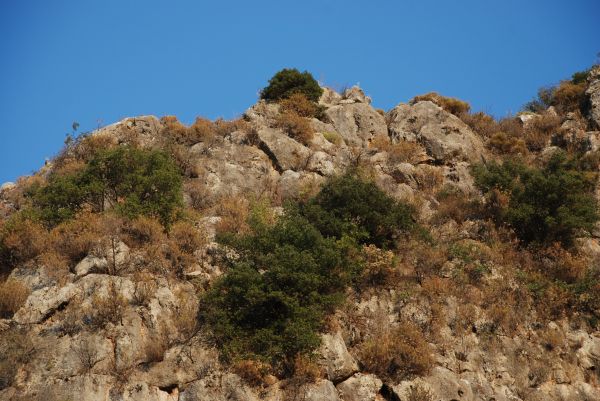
[[134, 181], [274, 298], [347, 205], [290, 81], [547, 205]]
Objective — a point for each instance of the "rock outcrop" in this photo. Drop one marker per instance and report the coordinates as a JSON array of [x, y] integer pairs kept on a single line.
[[593, 92], [95, 336], [444, 135]]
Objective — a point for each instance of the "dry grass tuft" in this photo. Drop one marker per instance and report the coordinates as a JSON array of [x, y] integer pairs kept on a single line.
[[12, 296], [400, 152], [295, 126], [395, 353], [450, 104]]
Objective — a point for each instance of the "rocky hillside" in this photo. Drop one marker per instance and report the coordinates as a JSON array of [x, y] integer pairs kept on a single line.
[[484, 284]]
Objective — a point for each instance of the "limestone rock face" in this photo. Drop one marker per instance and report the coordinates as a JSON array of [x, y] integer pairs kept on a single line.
[[445, 137], [144, 129], [323, 390], [144, 350], [285, 153], [360, 387], [357, 123], [231, 169], [355, 95], [329, 97], [593, 92], [336, 359]]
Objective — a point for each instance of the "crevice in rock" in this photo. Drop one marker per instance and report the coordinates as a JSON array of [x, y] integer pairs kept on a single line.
[[52, 312], [263, 146], [169, 388], [343, 378], [388, 393]]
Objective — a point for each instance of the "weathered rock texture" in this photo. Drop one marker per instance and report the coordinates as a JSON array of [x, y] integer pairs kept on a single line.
[[147, 347]]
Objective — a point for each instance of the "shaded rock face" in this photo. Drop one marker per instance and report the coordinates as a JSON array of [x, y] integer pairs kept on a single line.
[[593, 92], [445, 137]]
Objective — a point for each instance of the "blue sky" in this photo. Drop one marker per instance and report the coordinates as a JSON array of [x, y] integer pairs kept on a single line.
[[96, 62]]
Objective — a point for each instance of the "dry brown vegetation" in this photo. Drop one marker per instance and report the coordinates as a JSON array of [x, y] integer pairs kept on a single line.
[[87, 354], [450, 104], [538, 131], [17, 350], [202, 130], [234, 212], [457, 206], [295, 126], [419, 392], [395, 352], [298, 103], [568, 96], [12, 296], [107, 308], [501, 143], [380, 268], [429, 178], [399, 152], [23, 240]]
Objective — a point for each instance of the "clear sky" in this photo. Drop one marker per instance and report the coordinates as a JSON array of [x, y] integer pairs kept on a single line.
[[96, 62]]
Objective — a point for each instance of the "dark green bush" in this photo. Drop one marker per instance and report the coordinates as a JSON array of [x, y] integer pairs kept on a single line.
[[551, 204], [134, 181], [273, 300], [290, 81], [347, 205], [580, 77]]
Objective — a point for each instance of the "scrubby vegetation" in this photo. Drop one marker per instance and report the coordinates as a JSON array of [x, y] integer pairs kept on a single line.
[[348, 206], [133, 181], [289, 81], [543, 206], [403, 285], [291, 274], [450, 104], [567, 96]]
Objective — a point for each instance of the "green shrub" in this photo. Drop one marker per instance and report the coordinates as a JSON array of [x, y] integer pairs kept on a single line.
[[289, 81], [348, 205], [134, 181], [580, 77], [552, 204], [274, 298]]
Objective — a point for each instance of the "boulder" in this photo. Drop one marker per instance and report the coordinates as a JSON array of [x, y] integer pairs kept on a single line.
[[321, 163], [90, 264], [355, 95], [360, 387], [220, 388], [323, 390], [284, 152], [329, 97], [357, 123], [43, 302], [445, 137], [336, 359]]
